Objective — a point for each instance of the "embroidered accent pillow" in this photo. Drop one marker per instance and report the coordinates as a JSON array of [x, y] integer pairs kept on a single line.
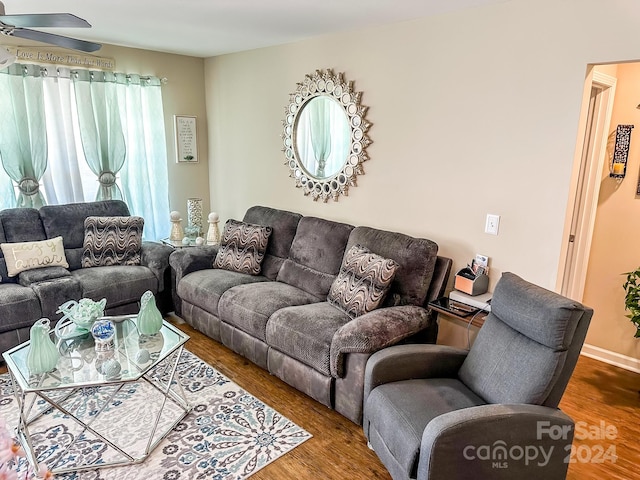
[[21, 256], [242, 247], [363, 281], [112, 241]]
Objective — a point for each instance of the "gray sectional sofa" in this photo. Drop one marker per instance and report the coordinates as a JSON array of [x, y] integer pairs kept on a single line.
[[37, 293], [281, 319]]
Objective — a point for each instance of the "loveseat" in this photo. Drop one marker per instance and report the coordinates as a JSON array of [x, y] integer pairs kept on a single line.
[[281, 320], [36, 293]]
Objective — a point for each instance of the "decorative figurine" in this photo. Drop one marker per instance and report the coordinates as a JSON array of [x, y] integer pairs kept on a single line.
[[199, 241], [149, 318], [213, 235], [194, 214], [43, 355], [177, 234], [103, 332]]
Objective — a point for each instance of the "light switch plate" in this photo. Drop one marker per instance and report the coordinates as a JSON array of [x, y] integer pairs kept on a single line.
[[492, 224]]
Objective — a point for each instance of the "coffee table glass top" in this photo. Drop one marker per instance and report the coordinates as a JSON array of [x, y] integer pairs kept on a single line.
[[81, 364]]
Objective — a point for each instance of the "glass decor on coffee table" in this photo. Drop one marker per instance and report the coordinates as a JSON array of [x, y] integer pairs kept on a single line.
[[115, 404]]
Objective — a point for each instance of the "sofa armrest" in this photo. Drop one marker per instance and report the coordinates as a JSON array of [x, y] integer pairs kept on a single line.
[[404, 362], [155, 256], [184, 261], [376, 330], [488, 440]]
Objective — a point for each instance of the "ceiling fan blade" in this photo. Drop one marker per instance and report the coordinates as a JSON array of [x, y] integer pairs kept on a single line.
[[66, 42], [44, 20]]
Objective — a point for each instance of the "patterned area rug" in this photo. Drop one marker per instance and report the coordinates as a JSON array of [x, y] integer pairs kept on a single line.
[[229, 434]]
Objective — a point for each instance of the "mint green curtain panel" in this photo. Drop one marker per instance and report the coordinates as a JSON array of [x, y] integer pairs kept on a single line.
[[23, 136], [144, 175], [101, 129]]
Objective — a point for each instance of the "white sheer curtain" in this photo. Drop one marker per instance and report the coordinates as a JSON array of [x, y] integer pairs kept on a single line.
[[63, 181], [144, 174]]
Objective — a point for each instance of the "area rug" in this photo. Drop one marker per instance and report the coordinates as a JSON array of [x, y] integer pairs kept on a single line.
[[229, 434]]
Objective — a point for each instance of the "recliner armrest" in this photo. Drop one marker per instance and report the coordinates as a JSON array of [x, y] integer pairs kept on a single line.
[[184, 261], [155, 256], [404, 362], [498, 441], [375, 330]]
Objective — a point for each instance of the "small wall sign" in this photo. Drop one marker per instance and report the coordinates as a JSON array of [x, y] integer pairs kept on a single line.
[[186, 139]]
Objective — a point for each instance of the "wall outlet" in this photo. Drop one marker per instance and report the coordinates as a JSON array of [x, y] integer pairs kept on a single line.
[[492, 224]]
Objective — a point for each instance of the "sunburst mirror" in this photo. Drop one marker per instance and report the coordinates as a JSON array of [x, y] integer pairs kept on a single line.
[[325, 135]]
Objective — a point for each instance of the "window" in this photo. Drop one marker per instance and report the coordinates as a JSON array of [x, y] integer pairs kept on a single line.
[[75, 135]]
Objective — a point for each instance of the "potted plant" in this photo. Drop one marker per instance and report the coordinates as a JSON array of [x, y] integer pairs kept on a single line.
[[632, 298]]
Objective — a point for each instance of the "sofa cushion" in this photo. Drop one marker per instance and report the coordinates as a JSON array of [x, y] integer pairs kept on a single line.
[[112, 241], [248, 307], [119, 284], [29, 277], [21, 256], [19, 307], [395, 415], [204, 288], [283, 225], [316, 255], [363, 282], [416, 258], [305, 332], [68, 221], [242, 247]]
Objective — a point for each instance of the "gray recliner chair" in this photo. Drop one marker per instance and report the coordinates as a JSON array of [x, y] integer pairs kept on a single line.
[[437, 412]]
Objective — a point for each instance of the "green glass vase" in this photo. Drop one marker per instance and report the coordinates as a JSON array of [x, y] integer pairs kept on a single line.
[[43, 355], [149, 318]]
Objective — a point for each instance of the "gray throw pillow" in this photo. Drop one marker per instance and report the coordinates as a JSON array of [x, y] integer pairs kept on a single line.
[[242, 247], [112, 241], [363, 281]]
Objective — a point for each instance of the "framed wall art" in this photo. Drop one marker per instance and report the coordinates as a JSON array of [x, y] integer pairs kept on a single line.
[[186, 138]]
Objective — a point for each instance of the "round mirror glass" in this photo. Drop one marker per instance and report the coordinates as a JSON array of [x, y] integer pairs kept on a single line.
[[322, 137]]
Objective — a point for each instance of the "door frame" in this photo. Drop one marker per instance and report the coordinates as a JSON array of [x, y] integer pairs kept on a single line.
[[574, 274]]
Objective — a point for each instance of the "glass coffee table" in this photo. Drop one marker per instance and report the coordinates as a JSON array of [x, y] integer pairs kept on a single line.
[[100, 408]]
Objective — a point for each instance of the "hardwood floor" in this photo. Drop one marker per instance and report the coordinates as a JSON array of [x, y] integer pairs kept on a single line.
[[596, 393]]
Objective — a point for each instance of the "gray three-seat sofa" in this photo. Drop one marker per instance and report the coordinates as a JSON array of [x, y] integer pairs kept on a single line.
[[37, 293], [281, 319]]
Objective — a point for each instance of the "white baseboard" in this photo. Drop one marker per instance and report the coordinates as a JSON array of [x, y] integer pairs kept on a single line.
[[612, 358]]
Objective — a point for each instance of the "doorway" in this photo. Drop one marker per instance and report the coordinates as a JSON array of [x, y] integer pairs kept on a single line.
[[596, 119]]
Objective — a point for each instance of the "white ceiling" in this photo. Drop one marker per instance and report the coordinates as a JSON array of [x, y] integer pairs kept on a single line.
[[205, 28]]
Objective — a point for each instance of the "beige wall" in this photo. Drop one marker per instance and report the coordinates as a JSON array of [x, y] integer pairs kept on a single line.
[[184, 93], [614, 247], [473, 113]]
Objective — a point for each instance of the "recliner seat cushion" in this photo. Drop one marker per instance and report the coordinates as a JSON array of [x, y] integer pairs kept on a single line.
[[19, 307], [248, 307], [119, 284], [305, 332], [204, 288], [400, 411]]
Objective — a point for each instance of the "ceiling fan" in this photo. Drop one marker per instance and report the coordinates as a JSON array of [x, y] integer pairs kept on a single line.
[[15, 26]]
